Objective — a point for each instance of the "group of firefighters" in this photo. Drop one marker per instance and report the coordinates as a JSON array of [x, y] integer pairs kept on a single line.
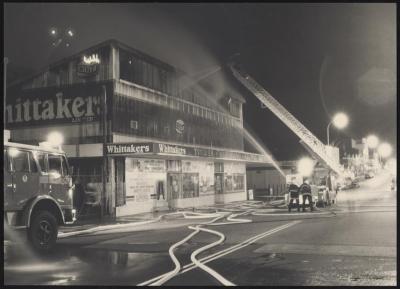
[[294, 195]]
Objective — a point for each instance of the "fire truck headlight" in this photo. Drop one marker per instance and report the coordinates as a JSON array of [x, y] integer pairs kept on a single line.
[[71, 192]]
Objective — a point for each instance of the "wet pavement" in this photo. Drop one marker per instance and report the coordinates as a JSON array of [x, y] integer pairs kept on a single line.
[[353, 243]]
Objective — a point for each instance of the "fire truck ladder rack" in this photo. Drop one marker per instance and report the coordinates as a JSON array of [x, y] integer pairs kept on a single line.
[[286, 117]]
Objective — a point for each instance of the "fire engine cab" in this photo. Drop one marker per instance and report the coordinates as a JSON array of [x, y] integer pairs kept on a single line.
[[38, 191]]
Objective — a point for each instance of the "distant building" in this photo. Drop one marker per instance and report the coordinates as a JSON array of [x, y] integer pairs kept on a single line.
[[165, 144]]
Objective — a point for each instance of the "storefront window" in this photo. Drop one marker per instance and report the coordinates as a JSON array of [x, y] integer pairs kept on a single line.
[[238, 182], [190, 184], [174, 186], [219, 183], [218, 167], [174, 166]]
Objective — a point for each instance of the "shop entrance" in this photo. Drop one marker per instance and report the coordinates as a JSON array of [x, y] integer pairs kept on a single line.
[[174, 188]]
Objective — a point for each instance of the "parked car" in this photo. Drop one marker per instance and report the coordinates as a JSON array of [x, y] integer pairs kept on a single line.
[[350, 184], [369, 175]]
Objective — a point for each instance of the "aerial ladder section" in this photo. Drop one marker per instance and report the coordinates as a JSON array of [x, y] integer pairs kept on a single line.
[[307, 138]]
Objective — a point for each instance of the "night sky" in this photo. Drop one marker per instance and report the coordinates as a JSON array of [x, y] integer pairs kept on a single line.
[[315, 59]]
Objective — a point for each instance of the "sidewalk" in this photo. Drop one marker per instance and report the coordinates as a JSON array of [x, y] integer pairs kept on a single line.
[[81, 225]]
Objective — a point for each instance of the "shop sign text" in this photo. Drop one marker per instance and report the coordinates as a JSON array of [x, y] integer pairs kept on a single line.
[[75, 109], [128, 148]]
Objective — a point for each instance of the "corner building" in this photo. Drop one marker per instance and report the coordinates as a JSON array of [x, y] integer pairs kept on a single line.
[[131, 120]]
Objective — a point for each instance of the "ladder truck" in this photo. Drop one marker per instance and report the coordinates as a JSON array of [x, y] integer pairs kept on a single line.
[[313, 145]]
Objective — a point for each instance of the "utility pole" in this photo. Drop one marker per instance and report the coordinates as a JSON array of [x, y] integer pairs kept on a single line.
[[5, 90], [104, 117]]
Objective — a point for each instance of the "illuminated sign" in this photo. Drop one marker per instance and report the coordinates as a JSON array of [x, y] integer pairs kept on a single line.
[[167, 149], [118, 149], [93, 59], [170, 149], [89, 66]]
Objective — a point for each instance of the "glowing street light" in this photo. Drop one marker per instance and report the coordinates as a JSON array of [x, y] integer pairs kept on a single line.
[[53, 31], [340, 121], [305, 167], [55, 138], [68, 33], [392, 165], [384, 150], [372, 141]]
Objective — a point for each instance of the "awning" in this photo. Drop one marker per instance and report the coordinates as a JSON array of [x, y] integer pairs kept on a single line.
[[144, 149]]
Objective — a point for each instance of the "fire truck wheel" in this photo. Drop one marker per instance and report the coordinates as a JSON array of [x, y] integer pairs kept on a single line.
[[43, 231]]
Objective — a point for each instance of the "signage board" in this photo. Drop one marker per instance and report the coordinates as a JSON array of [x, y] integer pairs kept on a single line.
[[89, 66], [178, 150], [79, 103], [128, 149]]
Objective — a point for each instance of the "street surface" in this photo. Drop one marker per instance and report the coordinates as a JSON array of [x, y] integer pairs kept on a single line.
[[350, 243]]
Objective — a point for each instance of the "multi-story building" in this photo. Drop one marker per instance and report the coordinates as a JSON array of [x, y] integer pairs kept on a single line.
[[131, 126]]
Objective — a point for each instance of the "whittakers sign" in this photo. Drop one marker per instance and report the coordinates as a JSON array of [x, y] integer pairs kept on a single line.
[[118, 149], [178, 150], [72, 104]]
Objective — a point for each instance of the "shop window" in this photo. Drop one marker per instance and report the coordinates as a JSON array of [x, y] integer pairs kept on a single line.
[[238, 182], [219, 183], [218, 167], [228, 185], [174, 186], [190, 185], [174, 165]]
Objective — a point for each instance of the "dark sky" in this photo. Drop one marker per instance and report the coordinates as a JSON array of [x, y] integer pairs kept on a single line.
[[315, 59]]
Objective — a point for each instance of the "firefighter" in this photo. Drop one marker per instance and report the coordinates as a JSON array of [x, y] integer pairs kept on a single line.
[[293, 196], [305, 191]]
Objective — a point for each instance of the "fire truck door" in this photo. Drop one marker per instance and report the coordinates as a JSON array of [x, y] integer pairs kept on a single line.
[[25, 177], [8, 183], [57, 181]]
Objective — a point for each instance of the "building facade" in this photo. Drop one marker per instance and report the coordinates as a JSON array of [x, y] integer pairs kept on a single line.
[[135, 130]]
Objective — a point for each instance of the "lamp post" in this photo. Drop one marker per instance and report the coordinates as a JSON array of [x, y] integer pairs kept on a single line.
[[340, 120], [5, 60]]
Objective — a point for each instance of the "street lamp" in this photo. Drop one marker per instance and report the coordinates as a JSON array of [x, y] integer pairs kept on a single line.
[[55, 139], [372, 141], [340, 121], [58, 36], [305, 167], [384, 150]]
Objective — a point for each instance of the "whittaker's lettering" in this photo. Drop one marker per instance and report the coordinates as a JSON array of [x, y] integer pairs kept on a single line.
[[168, 149], [60, 108], [120, 149]]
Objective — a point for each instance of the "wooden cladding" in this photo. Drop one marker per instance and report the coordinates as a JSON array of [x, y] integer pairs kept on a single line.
[[160, 122]]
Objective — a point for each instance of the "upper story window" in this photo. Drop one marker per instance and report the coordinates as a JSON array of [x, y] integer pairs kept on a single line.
[[234, 108], [142, 72]]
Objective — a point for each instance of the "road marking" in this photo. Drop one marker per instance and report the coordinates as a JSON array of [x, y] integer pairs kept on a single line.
[[332, 250]]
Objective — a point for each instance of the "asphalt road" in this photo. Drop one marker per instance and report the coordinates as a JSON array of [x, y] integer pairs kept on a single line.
[[351, 243]]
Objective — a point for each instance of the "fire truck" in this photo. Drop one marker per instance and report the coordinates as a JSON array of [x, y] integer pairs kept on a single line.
[[38, 191]]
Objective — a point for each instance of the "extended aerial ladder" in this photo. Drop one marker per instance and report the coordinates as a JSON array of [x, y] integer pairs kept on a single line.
[[311, 142]]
